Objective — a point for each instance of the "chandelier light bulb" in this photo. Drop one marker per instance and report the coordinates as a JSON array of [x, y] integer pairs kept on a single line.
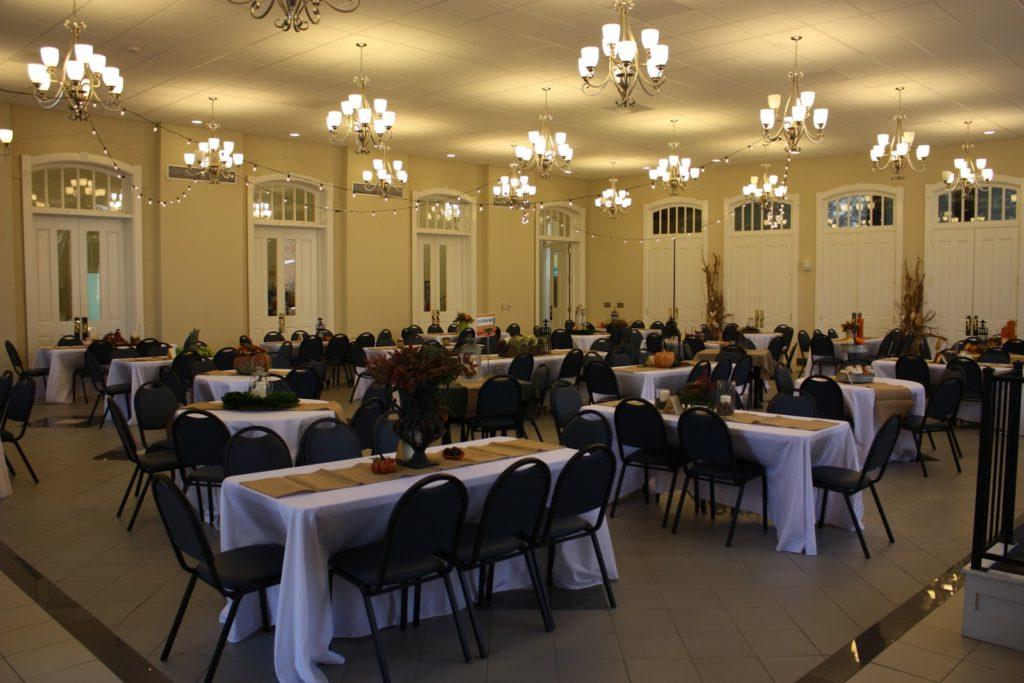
[[50, 56], [368, 122], [629, 63]]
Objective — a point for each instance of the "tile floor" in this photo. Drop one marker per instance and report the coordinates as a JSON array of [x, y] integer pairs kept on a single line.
[[689, 608]]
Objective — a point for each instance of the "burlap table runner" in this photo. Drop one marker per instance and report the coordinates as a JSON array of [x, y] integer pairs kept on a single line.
[[302, 407], [781, 421], [761, 358], [640, 368], [144, 359], [310, 482], [277, 372], [50, 347], [890, 399]]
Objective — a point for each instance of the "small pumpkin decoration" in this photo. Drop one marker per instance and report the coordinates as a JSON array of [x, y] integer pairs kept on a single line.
[[664, 359], [249, 357], [452, 453], [383, 465]]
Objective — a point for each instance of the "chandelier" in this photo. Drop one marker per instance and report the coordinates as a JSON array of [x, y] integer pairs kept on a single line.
[[626, 68], [371, 125], [789, 122], [217, 158], [769, 191], [6, 138], [83, 78], [545, 151], [894, 151], [294, 9], [514, 190], [674, 172], [388, 178], [613, 201], [970, 173]]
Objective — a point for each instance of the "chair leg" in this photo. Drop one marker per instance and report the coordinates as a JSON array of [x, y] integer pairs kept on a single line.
[[416, 604], [647, 485], [264, 610], [223, 639], [714, 507], [138, 503], [682, 500], [138, 487], [618, 489], [538, 587], [668, 503], [481, 585], [455, 616], [604, 570], [881, 513], [764, 501], [106, 411], [10, 468], [127, 491], [856, 526], [209, 499], [177, 618], [404, 619], [536, 429], [917, 444], [24, 459], [954, 446], [95, 405], [377, 644], [824, 504], [551, 564], [472, 617], [931, 440], [735, 516]]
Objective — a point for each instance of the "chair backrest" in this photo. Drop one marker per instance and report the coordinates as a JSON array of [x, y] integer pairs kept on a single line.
[[299, 335], [701, 370], [20, 401], [311, 348], [615, 335], [199, 438], [500, 396], [586, 428], [434, 328], [385, 338], [515, 503], [182, 366], [722, 370], [787, 335], [124, 432], [304, 382], [328, 440], [201, 367], [994, 356], [560, 339], [704, 437], [366, 339], [971, 374], [14, 356], [731, 352], [801, 405], [385, 434], [637, 325], [730, 332], [654, 342], [376, 390], [363, 420], [881, 450], [775, 348], [784, 380], [69, 340], [657, 325], [6, 383], [913, 368], [171, 380], [600, 345], [425, 522], [885, 348], [601, 381], [255, 449], [583, 485], [224, 359], [803, 340], [822, 346], [337, 350], [155, 405], [183, 528], [1014, 346], [694, 343], [832, 334], [827, 395], [521, 367], [571, 366], [453, 328], [273, 336], [638, 424], [514, 330], [618, 357], [149, 348], [565, 402], [95, 372], [743, 371], [944, 401]]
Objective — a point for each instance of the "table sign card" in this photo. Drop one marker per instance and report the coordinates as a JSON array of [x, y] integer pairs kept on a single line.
[[485, 324]]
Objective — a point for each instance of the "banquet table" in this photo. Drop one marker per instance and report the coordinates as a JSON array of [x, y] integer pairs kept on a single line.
[[870, 405], [760, 340], [211, 386], [638, 380], [583, 342], [62, 362], [496, 365], [841, 347], [375, 351], [762, 359], [135, 371], [313, 526], [788, 455]]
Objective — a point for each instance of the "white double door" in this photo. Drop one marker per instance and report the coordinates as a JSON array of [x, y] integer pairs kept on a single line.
[[288, 279], [760, 275], [858, 271], [973, 271], [673, 279], [557, 300], [76, 268], [440, 272]]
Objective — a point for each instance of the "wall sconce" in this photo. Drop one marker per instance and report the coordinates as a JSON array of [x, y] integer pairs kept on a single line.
[[6, 136]]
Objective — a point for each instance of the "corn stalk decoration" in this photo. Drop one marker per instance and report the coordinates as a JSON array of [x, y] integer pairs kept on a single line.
[[914, 321], [716, 315]]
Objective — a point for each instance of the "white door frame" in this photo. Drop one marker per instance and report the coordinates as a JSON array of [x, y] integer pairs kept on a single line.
[[469, 254], [133, 243], [822, 199], [931, 222], [579, 275], [729, 205], [649, 209], [324, 225]]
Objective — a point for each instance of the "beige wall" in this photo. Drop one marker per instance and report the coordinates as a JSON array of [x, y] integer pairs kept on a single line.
[[194, 254]]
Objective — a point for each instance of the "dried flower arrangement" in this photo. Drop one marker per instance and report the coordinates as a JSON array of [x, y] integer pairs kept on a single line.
[[716, 314], [914, 321]]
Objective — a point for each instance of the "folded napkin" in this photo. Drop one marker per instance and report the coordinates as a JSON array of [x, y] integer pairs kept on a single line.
[[311, 482], [781, 421], [302, 407], [144, 359]]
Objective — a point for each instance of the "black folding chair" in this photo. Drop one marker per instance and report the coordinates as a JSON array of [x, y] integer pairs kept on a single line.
[[255, 449], [328, 440], [643, 443], [20, 400]]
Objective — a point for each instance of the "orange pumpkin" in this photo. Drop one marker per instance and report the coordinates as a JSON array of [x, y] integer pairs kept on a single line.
[[664, 359], [383, 465]]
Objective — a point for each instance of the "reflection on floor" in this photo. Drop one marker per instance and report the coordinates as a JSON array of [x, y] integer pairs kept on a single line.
[[689, 608]]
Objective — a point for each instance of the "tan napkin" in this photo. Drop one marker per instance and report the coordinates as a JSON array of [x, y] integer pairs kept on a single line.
[[302, 407], [640, 368], [144, 359], [781, 421], [220, 373], [311, 482], [362, 473], [612, 403], [890, 399]]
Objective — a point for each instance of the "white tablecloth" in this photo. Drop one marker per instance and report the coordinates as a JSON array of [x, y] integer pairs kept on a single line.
[[760, 340], [860, 405], [137, 372], [314, 526], [375, 351], [646, 384], [213, 387], [583, 342], [5, 477], [499, 366], [62, 362], [788, 455], [840, 346]]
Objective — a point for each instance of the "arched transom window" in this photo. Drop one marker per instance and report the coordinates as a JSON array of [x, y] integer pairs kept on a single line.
[[860, 211], [748, 217], [556, 221], [995, 203], [293, 202], [678, 220], [441, 212], [79, 188]]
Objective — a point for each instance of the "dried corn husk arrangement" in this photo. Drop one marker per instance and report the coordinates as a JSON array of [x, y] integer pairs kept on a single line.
[[914, 321], [716, 315]]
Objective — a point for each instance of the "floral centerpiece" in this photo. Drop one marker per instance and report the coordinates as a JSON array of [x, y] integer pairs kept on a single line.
[[463, 320], [513, 346], [915, 321], [417, 374], [115, 338], [700, 392], [249, 358], [193, 344]]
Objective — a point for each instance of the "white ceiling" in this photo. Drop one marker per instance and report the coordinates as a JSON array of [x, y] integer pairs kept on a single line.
[[465, 76]]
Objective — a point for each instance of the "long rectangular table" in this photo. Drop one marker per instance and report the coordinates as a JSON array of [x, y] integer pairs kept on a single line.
[[645, 382], [313, 526], [62, 362], [135, 371], [788, 455]]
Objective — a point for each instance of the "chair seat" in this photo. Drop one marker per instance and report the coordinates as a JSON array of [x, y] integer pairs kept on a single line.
[[161, 445], [744, 470], [362, 566], [920, 423], [207, 474], [118, 389], [568, 526], [6, 436], [654, 457], [835, 478], [36, 372], [248, 568], [159, 461], [490, 548]]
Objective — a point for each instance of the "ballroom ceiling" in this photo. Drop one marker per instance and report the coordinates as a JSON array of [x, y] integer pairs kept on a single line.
[[465, 76]]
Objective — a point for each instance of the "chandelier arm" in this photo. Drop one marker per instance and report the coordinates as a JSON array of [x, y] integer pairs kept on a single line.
[[255, 7]]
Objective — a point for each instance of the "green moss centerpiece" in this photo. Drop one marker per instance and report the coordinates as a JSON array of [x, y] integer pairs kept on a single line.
[[275, 400]]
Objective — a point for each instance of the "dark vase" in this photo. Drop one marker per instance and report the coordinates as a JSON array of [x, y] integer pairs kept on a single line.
[[419, 424]]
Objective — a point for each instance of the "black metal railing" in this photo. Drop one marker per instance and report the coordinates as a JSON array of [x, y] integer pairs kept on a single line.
[[998, 453]]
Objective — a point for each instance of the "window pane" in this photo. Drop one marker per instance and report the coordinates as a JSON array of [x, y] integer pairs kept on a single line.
[[699, 219], [997, 203], [737, 218], [426, 278], [888, 215], [289, 204], [1010, 206], [276, 206], [92, 294], [39, 188], [86, 188], [442, 277], [101, 195], [272, 277], [290, 304], [982, 203], [64, 274], [956, 206], [944, 207]]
